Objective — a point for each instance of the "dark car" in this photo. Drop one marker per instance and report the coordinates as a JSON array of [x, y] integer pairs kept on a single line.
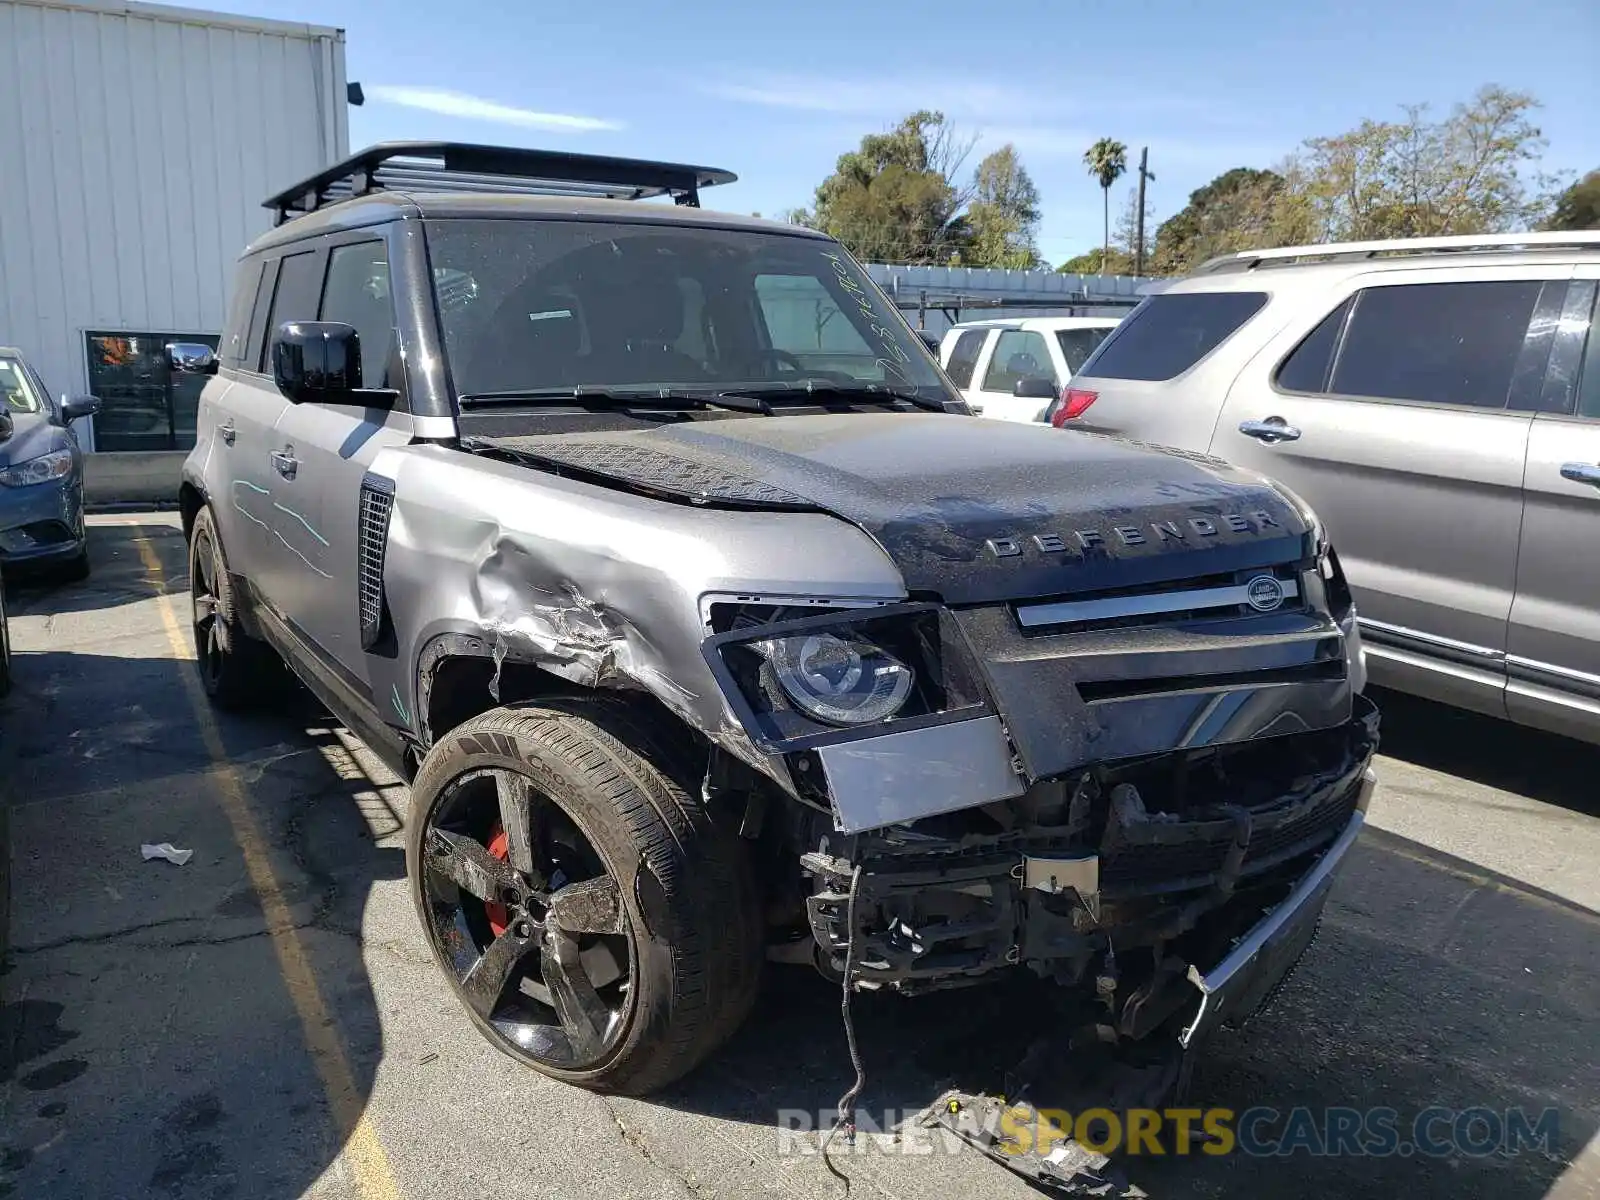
[[41, 473]]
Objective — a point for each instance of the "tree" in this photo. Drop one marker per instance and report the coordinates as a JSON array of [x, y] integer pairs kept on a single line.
[[1237, 210], [1003, 219], [1419, 177], [1107, 161], [1579, 206], [893, 199], [1097, 262]]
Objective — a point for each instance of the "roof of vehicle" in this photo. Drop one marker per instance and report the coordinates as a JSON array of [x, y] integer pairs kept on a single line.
[[1043, 324], [381, 207], [9, 352], [1316, 266]]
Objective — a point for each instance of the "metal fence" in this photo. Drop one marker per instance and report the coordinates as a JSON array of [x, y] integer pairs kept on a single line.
[[935, 298]]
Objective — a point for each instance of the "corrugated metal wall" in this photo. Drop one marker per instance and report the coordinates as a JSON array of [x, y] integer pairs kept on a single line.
[[136, 145]]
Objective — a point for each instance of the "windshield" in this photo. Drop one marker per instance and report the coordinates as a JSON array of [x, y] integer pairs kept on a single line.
[[16, 393], [531, 305]]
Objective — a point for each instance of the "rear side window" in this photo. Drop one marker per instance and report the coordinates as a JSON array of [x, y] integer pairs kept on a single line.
[[237, 334], [1436, 343], [1589, 379], [964, 357], [1166, 335], [1308, 366], [1018, 354], [1078, 344]]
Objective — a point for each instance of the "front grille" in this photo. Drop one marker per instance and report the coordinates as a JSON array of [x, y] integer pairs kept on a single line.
[[1223, 595], [377, 502], [1174, 866]]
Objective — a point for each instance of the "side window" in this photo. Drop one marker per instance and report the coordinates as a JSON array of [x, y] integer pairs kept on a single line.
[[357, 293], [258, 316], [1436, 343], [964, 356], [1018, 354], [1169, 333], [299, 287], [236, 334], [1589, 378], [1077, 344], [1307, 367]]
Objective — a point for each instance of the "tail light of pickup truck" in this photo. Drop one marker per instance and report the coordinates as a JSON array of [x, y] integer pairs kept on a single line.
[[1074, 403]]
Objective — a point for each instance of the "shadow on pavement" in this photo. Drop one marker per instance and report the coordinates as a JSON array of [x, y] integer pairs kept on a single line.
[[1498, 754], [149, 1042]]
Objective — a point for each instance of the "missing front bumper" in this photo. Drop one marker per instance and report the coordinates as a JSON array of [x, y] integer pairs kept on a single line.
[[1239, 985]]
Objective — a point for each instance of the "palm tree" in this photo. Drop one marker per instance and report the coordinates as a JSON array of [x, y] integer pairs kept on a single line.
[[1107, 160]]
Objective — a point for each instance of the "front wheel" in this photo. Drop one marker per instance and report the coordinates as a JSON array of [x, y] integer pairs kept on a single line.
[[593, 920]]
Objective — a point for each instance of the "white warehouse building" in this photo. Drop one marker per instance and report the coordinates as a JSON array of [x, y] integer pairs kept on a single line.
[[138, 142]]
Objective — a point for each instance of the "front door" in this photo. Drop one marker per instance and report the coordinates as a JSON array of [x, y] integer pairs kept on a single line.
[[329, 448], [1017, 354], [1553, 643], [1393, 416]]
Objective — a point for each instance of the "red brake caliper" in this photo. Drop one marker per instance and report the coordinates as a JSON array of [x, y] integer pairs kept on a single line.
[[499, 847]]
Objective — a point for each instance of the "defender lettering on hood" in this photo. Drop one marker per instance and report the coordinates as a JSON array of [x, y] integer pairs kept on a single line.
[[1135, 535]]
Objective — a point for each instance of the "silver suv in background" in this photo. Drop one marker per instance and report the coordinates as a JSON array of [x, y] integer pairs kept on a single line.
[[1437, 401]]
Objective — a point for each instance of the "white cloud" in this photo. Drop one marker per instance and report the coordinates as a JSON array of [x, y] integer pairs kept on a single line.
[[476, 108]]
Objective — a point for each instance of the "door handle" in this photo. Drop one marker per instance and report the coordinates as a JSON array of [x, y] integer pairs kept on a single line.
[[285, 463], [227, 433], [1581, 472], [1271, 431]]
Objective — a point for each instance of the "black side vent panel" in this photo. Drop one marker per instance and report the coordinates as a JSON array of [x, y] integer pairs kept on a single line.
[[377, 502]]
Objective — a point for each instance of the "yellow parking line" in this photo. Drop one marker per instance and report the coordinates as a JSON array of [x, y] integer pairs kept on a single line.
[[362, 1151]]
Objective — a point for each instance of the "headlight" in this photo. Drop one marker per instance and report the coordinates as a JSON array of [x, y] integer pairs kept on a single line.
[[38, 470], [796, 677], [839, 680]]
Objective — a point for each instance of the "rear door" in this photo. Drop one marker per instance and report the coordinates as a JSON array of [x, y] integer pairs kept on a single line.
[[1553, 643], [1016, 354], [1401, 415]]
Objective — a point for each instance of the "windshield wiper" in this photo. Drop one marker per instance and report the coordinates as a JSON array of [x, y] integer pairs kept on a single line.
[[862, 393], [659, 398]]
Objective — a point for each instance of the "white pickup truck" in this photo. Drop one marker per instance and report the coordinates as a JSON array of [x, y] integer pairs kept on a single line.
[[1014, 368]]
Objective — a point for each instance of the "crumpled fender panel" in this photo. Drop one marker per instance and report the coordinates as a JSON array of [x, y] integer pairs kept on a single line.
[[934, 490], [595, 586]]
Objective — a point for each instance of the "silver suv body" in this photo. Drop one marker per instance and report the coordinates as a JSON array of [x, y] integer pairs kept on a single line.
[[1437, 402], [656, 552]]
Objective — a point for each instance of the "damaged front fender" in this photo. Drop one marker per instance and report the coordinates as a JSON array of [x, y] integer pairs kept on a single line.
[[597, 588]]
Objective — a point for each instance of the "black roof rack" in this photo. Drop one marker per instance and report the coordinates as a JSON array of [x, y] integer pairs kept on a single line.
[[463, 167]]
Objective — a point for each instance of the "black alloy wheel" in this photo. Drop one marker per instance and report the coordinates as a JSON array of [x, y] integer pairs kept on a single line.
[[526, 916]]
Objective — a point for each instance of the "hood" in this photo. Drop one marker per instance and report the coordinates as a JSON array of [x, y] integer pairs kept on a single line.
[[33, 435], [971, 511]]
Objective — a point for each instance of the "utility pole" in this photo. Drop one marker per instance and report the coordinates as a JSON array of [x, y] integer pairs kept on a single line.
[[1138, 239]]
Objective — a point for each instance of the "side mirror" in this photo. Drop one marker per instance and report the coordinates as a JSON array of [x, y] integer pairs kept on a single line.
[[1035, 387], [7, 428], [191, 358], [73, 407], [317, 360]]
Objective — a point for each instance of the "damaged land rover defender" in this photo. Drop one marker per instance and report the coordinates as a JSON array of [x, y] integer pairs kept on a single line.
[[650, 545]]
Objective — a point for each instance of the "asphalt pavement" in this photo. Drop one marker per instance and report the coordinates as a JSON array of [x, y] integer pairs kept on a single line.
[[264, 1021]]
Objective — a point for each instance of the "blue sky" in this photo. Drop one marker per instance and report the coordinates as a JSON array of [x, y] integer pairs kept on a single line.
[[776, 92]]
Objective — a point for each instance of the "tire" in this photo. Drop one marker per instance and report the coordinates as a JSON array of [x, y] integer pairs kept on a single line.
[[692, 915], [236, 670]]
